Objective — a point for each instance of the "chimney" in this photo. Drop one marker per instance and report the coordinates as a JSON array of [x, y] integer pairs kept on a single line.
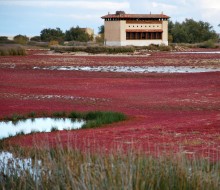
[[120, 13]]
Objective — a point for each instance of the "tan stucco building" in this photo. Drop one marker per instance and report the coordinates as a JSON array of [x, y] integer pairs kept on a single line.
[[89, 31], [123, 29]]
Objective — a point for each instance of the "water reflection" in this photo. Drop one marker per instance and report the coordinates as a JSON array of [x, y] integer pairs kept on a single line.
[[11, 128], [10, 165]]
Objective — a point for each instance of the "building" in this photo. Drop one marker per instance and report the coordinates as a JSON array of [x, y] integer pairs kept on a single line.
[[89, 31], [123, 29]]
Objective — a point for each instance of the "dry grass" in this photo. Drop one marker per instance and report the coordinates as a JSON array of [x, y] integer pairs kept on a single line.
[[12, 50], [61, 168]]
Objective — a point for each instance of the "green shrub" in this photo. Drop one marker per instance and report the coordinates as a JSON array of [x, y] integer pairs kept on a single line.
[[59, 114], [207, 44], [97, 119], [20, 39], [76, 115]]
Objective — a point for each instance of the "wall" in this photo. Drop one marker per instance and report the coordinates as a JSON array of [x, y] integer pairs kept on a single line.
[[112, 31], [115, 32], [165, 31]]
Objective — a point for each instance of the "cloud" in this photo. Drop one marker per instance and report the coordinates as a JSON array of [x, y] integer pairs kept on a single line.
[[208, 11], [73, 16], [94, 5], [163, 5], [210, 4]]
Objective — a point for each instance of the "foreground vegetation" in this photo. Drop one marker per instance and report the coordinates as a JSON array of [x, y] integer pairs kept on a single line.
[[12, 50], [65, 168]]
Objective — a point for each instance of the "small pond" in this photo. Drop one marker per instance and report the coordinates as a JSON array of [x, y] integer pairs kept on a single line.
[[27, 126]]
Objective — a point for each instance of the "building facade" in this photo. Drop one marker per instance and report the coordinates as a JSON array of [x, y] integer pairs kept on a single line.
[[89, 31], [123, 29]]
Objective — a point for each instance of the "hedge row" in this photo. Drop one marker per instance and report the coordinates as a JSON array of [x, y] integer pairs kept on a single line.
[[94, 50]]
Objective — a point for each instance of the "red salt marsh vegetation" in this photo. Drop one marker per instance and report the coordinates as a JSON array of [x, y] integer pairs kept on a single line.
[[166, 112]]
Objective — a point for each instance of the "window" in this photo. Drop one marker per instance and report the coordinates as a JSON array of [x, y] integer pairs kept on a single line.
[[143, 35]]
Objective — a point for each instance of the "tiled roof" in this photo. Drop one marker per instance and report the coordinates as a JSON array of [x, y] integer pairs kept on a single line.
[[136, 16]]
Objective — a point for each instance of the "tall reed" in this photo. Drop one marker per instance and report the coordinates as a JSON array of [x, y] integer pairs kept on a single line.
[[65, 168], [12, 50]]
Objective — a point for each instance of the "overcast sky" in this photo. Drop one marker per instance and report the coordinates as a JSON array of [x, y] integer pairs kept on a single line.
[[29, 17]]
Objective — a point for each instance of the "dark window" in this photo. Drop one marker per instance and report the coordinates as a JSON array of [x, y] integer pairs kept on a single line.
[[143, 35]]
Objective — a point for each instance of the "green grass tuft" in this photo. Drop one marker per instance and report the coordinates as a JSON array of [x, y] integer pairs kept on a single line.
[[59, 114]]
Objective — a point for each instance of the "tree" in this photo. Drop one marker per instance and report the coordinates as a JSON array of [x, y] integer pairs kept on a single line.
[[77, 34], [100, 37], [102, 29], [190, 31], [36, 39], [49, 34], [3, 38], [178, 33], [170, 27], [20, 39]]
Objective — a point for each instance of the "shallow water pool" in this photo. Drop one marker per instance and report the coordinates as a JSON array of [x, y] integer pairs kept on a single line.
[[27, 126], [134, 69]]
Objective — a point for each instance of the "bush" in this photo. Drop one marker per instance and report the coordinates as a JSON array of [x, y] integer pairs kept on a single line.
[[96, 119], [163, 47], [36, 39], [20, 39], [53, 43], [99, 38], [93, 50], [59, 114], [10, 50], [207, 44], [5, 40]]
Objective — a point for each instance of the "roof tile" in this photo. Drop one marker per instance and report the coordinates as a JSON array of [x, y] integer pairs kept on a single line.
[[136, 16]]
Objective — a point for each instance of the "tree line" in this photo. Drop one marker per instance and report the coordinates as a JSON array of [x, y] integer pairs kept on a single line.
[[188, 31], [73, 34], [51, 34], [191, 31]]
